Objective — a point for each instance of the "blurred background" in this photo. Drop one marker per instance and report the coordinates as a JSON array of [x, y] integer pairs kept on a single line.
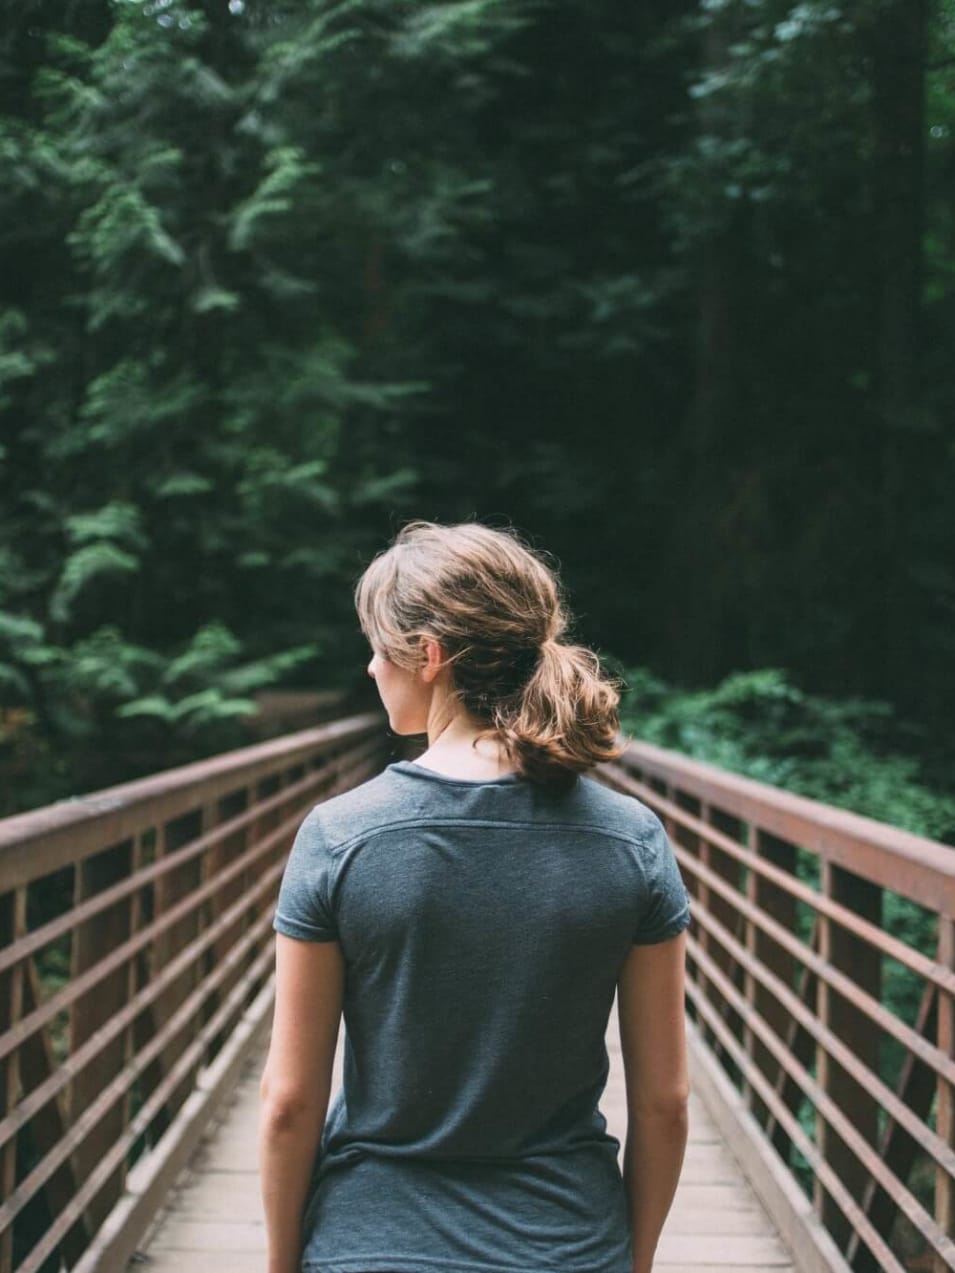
[[669, 287]]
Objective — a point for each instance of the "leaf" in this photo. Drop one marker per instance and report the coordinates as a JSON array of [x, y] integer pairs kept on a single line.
[[107, 665], [131, 399], [43, 656], [456, 29], [252, 676], [122, 222], [287, 171], [86, 564], [254, 560], [179, 484], [211, 704], [18, 630], [117, 520], [152, 705], [211, 647], [381, 490], [13, 678], [210, 298]]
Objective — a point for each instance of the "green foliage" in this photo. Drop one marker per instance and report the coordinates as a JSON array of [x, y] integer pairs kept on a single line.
[[84, 565], [105, 667], [842, 751], [179, 484], [279, 276], [286, 176], [208, 684]]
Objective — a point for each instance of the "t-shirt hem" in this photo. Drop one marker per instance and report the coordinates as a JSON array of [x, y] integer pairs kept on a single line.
[[396, 1264]]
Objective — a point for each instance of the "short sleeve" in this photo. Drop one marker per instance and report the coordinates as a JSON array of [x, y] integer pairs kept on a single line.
[[304, 910], [667, 909]]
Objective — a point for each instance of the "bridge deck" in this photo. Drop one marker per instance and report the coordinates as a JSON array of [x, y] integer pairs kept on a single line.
[[213, 1218]]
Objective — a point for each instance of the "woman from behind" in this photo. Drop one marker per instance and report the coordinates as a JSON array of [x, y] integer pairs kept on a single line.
[[472, 915]]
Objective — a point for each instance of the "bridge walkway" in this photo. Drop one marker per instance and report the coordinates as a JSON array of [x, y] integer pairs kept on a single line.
[[212, 1221]]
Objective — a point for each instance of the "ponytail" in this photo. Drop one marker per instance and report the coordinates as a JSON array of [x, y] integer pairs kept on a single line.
[[564, 720]]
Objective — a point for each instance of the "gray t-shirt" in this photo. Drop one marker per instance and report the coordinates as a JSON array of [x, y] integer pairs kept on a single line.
[[483, 926]]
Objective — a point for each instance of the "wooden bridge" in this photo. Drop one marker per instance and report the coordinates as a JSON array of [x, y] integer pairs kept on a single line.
[[135, 998]]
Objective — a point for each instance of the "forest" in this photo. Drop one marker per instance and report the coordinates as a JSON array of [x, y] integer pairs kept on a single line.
[[669, 287]]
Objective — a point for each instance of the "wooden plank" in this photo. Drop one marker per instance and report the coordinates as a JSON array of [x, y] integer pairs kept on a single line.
[[731, 1252], [207, 1234]]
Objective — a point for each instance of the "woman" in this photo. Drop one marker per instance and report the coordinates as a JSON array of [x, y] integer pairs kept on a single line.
[[472, 913]]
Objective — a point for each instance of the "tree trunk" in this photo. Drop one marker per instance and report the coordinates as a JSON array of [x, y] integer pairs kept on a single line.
[[697, 642], [898, 41]]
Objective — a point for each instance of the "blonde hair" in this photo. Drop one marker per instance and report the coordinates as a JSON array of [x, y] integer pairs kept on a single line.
[[495, 606]]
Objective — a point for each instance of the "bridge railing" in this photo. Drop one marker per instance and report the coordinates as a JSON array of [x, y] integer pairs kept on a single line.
[[821, 968], [135, 953], [135, 958]]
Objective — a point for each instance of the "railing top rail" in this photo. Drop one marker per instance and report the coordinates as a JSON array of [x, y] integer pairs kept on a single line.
[[66, 828], [910, 864]]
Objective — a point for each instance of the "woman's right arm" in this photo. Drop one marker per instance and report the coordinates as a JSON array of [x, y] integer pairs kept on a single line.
[[653, 1040], [309, 982]]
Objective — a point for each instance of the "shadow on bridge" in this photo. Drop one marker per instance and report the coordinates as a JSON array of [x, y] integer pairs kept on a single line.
[[135, 992]]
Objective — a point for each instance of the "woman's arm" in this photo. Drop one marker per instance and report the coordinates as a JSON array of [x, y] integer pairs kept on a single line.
[[653, 1041], [309, 979]]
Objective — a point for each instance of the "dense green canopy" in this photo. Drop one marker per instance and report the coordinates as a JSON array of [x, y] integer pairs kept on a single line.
[[669, 286]]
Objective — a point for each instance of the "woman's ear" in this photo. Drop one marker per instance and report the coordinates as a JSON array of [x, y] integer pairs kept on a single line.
[[435, 660]]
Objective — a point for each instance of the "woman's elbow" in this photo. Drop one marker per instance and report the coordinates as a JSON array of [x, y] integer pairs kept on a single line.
[[283, 1110], [671, 1105]]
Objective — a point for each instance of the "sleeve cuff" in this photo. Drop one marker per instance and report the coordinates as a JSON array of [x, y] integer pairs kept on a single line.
[[671, 928], [300, 931]]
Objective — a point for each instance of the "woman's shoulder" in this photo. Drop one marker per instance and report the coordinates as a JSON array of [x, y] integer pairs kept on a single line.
[[370, 806], [617, 812]]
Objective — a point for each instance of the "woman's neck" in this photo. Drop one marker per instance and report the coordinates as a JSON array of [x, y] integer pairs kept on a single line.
[[454, 751]]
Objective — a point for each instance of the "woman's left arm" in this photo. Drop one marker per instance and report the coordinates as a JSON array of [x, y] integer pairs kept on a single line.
[[309, 982]]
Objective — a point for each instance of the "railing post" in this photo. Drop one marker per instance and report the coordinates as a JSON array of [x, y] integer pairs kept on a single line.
[[134, 1030], [229, 848], [211, 861], [171, 887], [726, 912], [780, 905], [749, 981], [13, 915], [93, 941], [855, 958], [697, 847], [945, 1108], [260, 828]]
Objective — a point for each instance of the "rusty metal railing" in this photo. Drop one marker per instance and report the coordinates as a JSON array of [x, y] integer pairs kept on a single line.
[[135, 960], [821, 963], [135, 964]]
